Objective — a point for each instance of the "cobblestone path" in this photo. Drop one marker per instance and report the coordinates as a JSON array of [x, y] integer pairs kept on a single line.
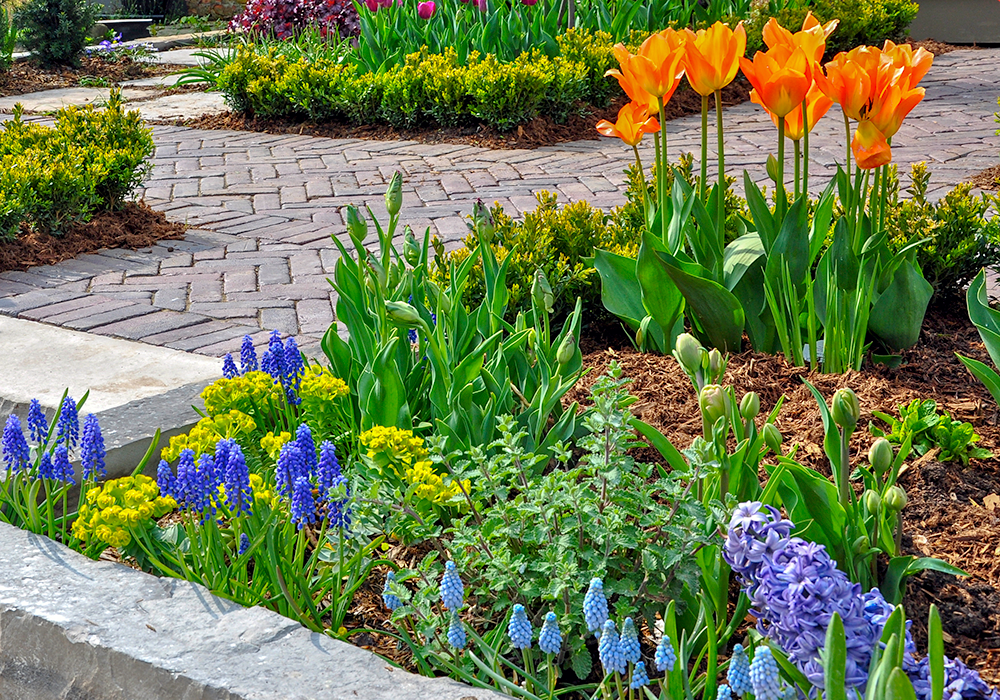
[[262, 208]]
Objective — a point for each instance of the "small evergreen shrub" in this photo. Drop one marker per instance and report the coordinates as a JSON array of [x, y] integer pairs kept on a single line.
[[55, 31]]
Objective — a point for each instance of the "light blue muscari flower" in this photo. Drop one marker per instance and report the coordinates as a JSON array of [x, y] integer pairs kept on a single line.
[[390, 599], [738, 674], [550, 638], [609, 650], [595, 606], [519, 629], [639, 676], [630, 641], [764, 675], [452, 589], [665, 657], [724, 693], [456, 632]]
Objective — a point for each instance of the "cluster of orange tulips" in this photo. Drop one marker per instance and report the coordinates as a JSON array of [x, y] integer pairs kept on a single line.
[[876, 88]]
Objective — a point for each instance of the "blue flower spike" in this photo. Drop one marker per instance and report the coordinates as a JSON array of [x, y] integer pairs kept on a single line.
[[519, 629], [665, 657], [764, 675], [390, 599], [595, 606], [456, 632], [550, 638], [738, 674], [609, 650], [452, 590], [630, 642], [639, 676]]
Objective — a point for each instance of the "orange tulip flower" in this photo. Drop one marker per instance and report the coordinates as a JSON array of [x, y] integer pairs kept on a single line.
[[781, 77], [817, 105], [915, 64], [870, 147], [629, 83], [812, 38], [890, 108], [633, 121], [847, 83], [659, 65], [713, 55]]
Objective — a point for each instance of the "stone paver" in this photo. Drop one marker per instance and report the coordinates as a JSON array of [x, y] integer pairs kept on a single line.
[[262, 209]]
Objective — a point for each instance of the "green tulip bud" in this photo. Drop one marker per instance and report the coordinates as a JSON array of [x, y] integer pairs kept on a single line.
[[394, 194], [772, 438], [772, 168], [750, 405], [895, 499], [357, 226], [713, 403], [482, 222], [403, 313], [846, 409], [411, 249], [567, 349], [643, 332], [872, 501], [531, 338], [880, 456], [861, 545], [687, 352], [541, 291], [716, 364], [440, 298]]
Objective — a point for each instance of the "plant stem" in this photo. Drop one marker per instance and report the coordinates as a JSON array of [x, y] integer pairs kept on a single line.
[[797, 158], [805, 150], [844, 470], [661, 172], [722, 167], [704, 148], [782, 197]]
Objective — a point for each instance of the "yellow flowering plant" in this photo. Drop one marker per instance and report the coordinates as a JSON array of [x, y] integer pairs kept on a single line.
[[111, 514]]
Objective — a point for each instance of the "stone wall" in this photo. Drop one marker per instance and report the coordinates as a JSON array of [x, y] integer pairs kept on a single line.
[[216, 9]]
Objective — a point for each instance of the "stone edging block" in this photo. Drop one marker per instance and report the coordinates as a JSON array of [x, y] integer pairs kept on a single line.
[[71, 627]]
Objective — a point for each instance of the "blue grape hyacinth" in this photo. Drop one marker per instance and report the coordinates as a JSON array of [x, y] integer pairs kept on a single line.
[[738, 674], [248, 356], [609, 650], [294, 367], [519, 629], [452, 589], [38, 426], [303, 503], [327, 468], [630, 641], [307, 447], [764, 675], [550, 638], [595, 606], [92, 451], [276, 357], [724, 693], [456, 632], [229, 370], [13, 446], [244, 543], [289, 469], [665, 657], [239, 495], [68, 425], [639, 676], [61, 467], [166, 480], [390, 599]]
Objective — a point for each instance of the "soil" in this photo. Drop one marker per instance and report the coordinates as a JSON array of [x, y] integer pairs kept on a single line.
[[25, 77], [134, 226], [541, 131], [953, 511], [938, 48]]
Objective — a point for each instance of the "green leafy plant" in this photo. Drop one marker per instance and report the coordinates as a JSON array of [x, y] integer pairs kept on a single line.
[[8, 38], [55, 31], [921, 424]]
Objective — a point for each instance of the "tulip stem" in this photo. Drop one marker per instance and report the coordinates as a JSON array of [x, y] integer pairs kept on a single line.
[[805, 150], [642, 182], [662, 172], [722, 169], [781, 196], [798, 166], [704, 148]]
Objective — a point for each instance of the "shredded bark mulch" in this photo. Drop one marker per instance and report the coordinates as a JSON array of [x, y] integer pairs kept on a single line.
[[541, 131], [24, 77], [953, 511], [133, 227], [988, 179], [939, 48]]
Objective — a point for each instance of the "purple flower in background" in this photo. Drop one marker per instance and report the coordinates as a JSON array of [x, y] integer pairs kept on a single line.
[[38, 426], [294, 367], [372, 5], [229, 370], [307, 447], [303, 503], [166, 480], [425, 10], [92, 451], [13, 446], [288, 469], [61, 467], [68, 425], [276, 351], [248, 356], [239, 495]]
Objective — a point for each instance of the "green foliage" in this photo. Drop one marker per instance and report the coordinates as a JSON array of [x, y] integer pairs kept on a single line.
[[55, 31], [861, 21], [8, 38], [921, 424], [964, 236], [53, 177]]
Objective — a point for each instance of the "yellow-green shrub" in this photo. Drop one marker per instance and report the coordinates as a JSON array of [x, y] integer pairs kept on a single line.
[[53, 177]]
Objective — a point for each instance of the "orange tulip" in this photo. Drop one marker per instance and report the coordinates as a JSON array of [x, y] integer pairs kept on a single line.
[[812, 38], [659, 65], [817, 105], [781, 77], [633, 121], [915, 64], [713, 55], [870, 147], [847, 83], [629, 83], [890, 108]]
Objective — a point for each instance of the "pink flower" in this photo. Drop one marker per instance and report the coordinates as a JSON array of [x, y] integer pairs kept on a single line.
[[482, 5], [372, 5], [529, 3], [425, 10]]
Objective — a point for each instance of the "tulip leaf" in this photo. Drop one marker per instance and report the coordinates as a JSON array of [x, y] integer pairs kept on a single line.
[[898, 313], [900, 687], [739, 256], [986, 319], [812, 504], [622, 296], [986, 375], [834, 655], [935, 653], [763, 219], [660, 296]]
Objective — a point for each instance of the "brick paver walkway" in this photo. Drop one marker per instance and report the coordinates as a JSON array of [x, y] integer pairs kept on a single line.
[[263, 207]]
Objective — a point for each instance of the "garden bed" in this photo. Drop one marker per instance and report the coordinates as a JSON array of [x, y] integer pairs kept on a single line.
[[133, 227], [24, 77]]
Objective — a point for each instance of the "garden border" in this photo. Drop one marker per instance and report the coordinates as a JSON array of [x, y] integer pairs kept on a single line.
[[96, 630]]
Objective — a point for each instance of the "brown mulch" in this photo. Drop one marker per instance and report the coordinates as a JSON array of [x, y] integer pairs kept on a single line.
[[938, 48], [133, 227], [988, 179], [541, 131], [24, 77], [950, 515]]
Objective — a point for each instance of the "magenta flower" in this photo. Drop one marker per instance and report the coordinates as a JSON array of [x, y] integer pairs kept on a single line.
[[373, 5], [529, 3], [482, 5], [425, 10]]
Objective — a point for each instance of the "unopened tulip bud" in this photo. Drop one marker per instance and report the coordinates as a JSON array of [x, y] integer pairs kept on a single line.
[[482, 222], [567, 348], [541, 291], [772, 438], [394, 194], [880, 456], [687, 351], [643, 333], [713, 403], [895, 499], [750, 405], [357, 227], [873, 502], [411, 249], [861, 545], [401, 312], [772, 168], [716, 363], [846, 410]]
